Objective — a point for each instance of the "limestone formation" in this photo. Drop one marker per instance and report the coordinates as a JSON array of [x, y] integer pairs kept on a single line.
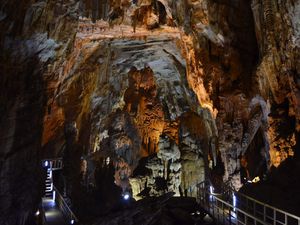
[[144, 97]]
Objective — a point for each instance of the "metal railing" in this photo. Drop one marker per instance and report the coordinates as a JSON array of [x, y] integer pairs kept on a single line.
[[64, 207], [230, 207], [268, 213], [57, 164], [54, 164]]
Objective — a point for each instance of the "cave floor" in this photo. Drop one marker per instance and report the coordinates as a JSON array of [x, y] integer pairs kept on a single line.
[[53, 215]]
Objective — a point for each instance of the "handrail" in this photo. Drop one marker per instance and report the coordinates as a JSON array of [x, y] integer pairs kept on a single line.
[[238, 210], [52, 159], [267, 205], [55, 163], [263, 204], [257, 201], [63, 206], [203, 186]]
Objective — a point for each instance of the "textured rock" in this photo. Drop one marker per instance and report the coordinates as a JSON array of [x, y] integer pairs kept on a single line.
[[23, 60], [142, 99], [162, 210], [278, 70], [153, 96]]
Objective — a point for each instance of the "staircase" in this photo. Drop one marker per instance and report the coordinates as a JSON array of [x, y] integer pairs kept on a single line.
[[51, 165], [53, 201], [49, 184]]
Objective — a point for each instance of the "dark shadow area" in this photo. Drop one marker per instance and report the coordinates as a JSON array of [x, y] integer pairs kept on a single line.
[[22, 102], [256, 163], [161, 12]]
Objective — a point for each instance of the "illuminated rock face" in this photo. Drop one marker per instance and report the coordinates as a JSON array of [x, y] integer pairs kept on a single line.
[[278, 73], [238, 64], [199, 84], [136, 108]]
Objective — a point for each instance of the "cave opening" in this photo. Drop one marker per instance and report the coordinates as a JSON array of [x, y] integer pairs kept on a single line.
[[254, 162], [96, 9], [161, 11], [286, 122]]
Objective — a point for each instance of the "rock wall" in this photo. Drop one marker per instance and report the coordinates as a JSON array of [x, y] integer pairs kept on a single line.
[[26, 51], [129, 103], [278, 72], [153, 93], [20, 134], [237, 57]]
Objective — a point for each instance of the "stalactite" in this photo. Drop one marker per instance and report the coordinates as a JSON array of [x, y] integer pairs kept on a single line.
[[269, 15]]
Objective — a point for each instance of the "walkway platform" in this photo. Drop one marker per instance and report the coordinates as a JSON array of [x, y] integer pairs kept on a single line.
[[53, 215]]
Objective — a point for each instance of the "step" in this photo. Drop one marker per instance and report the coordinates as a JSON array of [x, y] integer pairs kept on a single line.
[[48, 192], [48, 195], [49, 189]]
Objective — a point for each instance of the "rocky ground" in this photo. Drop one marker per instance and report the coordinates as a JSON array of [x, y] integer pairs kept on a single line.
[[157, 211], [277, 190]]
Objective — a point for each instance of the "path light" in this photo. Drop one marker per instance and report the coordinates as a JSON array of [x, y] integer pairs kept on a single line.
[[255, 180], [53, 196], [37, 212], [126, 196], [211, 189], [46, 163], [72, 222], [234, 201], [107, 161]]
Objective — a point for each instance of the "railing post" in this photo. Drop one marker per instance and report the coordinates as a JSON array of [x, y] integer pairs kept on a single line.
[[229, 216], [274, 216], [223, 213], [213, 207], [285, 219], [265, 214]]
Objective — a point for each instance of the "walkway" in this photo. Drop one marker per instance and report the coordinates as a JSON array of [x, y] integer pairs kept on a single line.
[[55, 208], [53, 215]]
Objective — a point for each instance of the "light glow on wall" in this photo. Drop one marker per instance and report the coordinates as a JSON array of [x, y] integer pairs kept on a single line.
[[54, 195]]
